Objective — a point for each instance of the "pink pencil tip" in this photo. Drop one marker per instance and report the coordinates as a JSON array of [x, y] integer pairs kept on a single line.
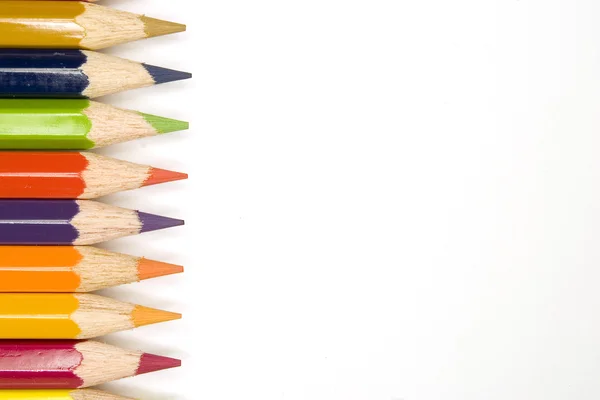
[[151, 363]]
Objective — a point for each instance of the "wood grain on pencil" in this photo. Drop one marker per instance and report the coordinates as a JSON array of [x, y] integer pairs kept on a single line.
[[71, 316], [75, 73], [72, 222], [67, 269], [74, 25], [71, 364], [69, 124], [71, 175]]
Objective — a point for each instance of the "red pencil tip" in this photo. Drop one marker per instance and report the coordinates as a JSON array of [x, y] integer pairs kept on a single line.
[[158, 175], [152, 363]]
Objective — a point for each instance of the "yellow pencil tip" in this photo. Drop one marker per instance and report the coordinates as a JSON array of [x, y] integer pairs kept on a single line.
[[158, 27], [146, 316]]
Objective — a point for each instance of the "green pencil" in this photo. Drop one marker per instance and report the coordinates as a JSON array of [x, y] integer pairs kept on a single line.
[[53, 124]]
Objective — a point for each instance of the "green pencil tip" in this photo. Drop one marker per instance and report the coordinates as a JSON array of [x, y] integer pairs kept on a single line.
[[165, 125]]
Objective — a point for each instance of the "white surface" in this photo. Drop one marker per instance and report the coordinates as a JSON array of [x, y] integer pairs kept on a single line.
[[388, 200]]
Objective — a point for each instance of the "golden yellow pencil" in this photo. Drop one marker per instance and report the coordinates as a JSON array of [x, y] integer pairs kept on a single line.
[[74, 25], [59, 394], [71, 316]]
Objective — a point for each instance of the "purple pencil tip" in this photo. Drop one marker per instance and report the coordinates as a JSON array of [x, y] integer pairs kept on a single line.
[[151, 222]]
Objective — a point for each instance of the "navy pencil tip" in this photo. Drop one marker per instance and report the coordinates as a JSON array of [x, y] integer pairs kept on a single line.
[[164, 75], [151, 222]]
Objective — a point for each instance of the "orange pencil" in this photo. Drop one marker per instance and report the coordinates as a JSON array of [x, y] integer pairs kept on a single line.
[[66, 269]]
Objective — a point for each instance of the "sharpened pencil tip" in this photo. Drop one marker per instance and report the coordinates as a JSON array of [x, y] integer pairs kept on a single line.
[[158, 175], [148, 269], [152, 222], [152, 363], [147, 316], [165, 125], [158, 27], [164, 75]]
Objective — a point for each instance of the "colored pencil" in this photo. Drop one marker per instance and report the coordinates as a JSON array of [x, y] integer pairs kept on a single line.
[[71, 364], [58, 394], [52, 124], [75, 73], [67, 269], [71, 316], [72, 175], [72, 222], [74, 25]]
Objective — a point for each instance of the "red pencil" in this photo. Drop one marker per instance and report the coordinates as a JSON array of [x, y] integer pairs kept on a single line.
[[70, 175], [71, 364]]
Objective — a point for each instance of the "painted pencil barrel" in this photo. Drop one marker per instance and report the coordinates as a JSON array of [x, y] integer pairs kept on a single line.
[[71, 316], [69, 175], [40, 73], [69, 269], [51, 124], [71, 364], [68, 222], [58, 394], [74, 25]]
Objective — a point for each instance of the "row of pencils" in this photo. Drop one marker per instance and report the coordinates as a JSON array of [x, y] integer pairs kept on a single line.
[[49, 178]]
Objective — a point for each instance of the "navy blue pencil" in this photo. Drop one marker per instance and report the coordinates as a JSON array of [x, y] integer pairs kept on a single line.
[[75, 74]]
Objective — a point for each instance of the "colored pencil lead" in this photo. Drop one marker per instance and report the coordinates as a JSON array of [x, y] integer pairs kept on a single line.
[[148, 269], [153, 363], [142, 316], [165, 125], [165, 75]]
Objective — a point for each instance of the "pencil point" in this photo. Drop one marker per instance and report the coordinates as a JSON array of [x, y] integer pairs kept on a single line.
[[158, 27], [151, 222], [158, 175], [152, 363], [164, 75], [165, 125], [147, 316], [148, 269]]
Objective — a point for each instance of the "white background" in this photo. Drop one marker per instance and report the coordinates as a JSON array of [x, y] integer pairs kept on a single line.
[[387, 200]]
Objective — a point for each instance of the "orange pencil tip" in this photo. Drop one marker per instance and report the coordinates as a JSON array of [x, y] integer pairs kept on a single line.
[[148, 269], [146, 316], [158, 175]]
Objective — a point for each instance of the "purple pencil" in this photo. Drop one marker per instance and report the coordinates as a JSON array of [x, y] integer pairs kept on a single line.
[[72, 222]]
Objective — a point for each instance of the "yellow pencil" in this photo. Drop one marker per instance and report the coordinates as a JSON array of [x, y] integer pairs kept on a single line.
[[57, 394], [74, 24], [71, 316]]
